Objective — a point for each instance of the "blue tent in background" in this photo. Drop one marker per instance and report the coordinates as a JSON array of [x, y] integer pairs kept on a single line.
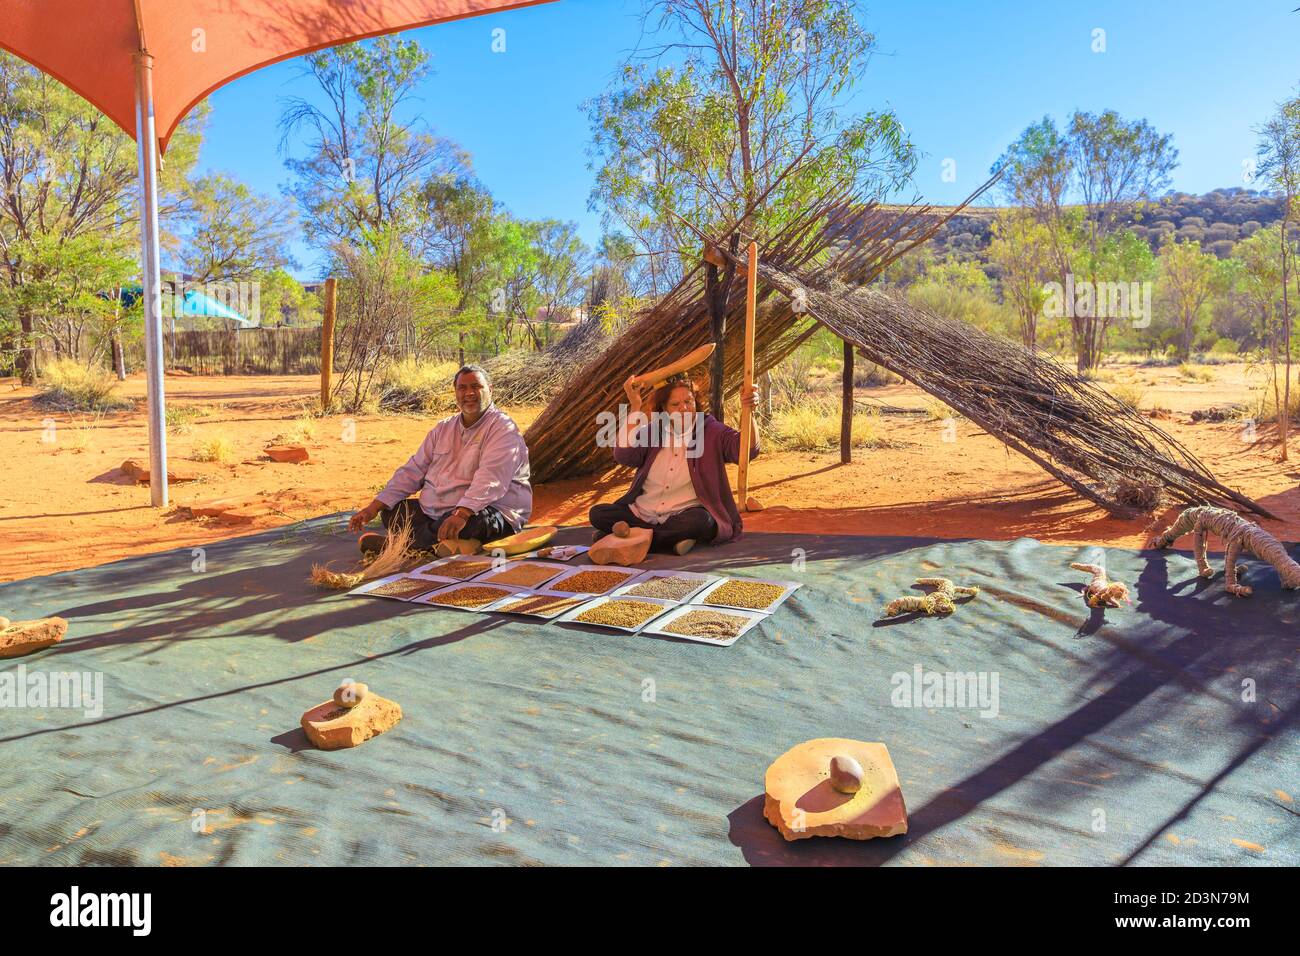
[[193, 303]]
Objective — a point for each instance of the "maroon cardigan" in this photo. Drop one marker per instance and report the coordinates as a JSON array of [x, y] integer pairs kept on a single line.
[[708, 473]]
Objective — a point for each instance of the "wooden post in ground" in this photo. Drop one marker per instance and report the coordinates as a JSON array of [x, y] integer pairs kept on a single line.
[[747, 383], [327, 343], [846, 408]]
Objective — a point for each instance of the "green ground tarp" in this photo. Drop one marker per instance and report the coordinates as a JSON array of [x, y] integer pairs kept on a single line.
[[1164, 733]]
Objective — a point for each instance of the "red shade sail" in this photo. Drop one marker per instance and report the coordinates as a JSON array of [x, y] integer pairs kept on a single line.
[[145, 63], [197, 45]]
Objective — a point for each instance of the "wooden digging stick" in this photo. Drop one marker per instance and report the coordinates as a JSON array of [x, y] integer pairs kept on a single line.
[[747, 384]]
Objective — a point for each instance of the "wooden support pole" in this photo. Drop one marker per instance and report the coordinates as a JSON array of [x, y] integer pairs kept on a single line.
[[846, 407], [327, 343], [747, 383]]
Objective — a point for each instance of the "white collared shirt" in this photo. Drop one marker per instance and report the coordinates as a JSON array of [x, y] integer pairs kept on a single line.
[[668, 488], [485, 464]]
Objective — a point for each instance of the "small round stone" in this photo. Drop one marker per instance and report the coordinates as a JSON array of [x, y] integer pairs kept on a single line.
[[846, 774], [350, 694]]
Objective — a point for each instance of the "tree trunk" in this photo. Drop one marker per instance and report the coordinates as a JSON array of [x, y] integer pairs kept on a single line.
[[846, 407], [27, 348], [119, 357]]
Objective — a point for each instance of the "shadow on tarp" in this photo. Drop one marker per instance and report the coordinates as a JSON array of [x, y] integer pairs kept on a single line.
[[1120, 736]]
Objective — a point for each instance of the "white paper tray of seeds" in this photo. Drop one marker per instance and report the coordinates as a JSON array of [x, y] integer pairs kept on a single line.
[[667, 584], [616, 613], [398, 587], [591, 579], [707, 625], [522, 574], [536, 604], [458, 567], [467, 596], [747, 594]]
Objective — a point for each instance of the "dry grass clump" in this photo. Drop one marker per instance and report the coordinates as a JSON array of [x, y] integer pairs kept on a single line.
[[302, 431], [815, 426], [70, 386], [181, 418], [871, 375], [410, 385], [1195, 373], [1265, 403], [391, 559], [1130, 396], [937, 411], [218, 448]]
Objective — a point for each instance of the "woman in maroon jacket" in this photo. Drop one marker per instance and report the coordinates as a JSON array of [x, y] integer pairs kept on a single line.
[[681, 489]]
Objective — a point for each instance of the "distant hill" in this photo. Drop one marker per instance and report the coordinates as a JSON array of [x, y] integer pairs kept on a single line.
[[1216, 219]]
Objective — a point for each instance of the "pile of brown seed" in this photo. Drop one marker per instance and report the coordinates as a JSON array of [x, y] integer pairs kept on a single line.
[[469, 596], [620, 613], [404, 588], [592, 582], [707, 624], [524, 575], [539, 604], [670, 588], [756, 595], [461, 569]]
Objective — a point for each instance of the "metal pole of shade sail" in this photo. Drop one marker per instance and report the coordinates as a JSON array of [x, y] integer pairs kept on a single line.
[[150, 269]]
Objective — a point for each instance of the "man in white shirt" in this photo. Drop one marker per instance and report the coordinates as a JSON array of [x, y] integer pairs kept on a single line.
[[471, 471]]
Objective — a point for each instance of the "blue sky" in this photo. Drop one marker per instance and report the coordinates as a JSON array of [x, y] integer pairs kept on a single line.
[[964, 77]]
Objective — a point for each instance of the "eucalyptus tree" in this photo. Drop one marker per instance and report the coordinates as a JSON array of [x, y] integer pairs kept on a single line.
[[733, 117]]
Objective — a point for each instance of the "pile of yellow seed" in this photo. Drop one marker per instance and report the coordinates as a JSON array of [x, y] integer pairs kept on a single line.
[[671, 588], [461, 569], [404, 587], [756, 595], [621, 613], [707, 624], [539, 604], [592, 582], [524, 575], [469, 597]]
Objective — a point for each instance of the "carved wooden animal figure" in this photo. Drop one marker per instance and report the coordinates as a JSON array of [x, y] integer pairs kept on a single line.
[[939, 601], [1101, 591], [1238, 535]]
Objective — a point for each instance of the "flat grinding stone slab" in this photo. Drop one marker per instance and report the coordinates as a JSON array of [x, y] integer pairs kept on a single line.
[[370, 717], [801, 802]]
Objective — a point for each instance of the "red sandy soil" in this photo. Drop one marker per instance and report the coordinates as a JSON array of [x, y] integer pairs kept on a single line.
[[66, 504]]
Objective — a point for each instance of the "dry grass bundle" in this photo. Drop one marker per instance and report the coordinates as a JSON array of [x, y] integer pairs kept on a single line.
[[394, 557], [534, 378]]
